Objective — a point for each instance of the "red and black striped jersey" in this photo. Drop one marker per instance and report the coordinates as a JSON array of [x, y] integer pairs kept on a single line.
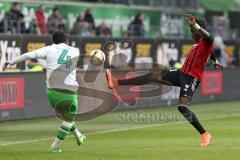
[[197, 58]]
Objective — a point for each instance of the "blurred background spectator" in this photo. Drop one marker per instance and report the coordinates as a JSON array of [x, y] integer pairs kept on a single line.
[[54, 20], [103, 30], [17, 19], [89, 18], [136, 27], [62, 26], [41, 21], [81, 26], [15, 11], [34, 66], [34, 28], [174, 64], [6, 24], [219, 51]]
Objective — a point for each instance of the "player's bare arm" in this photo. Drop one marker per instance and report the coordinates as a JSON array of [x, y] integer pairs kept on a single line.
[[202, 32]]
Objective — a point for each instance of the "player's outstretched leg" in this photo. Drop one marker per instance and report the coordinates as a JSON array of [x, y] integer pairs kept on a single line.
[[77, 134], [61, 134], [192, 118], [112, 81], [138, 80]]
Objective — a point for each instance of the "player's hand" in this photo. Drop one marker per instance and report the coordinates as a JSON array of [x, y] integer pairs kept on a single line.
[[190, 19], [6, 65], [218, 66]]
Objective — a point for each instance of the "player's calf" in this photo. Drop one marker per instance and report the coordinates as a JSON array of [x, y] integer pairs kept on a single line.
[[191, 117]]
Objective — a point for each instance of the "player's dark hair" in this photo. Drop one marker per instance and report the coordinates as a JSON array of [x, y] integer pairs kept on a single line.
[[59, 37], [201, 22]]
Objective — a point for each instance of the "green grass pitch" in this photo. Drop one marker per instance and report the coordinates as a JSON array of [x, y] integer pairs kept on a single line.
[[123, 136]]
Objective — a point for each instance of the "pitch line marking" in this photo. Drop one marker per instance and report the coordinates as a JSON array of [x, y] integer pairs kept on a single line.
[[114, 130]]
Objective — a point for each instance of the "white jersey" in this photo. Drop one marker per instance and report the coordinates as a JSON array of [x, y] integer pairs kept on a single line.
[[61, 63]]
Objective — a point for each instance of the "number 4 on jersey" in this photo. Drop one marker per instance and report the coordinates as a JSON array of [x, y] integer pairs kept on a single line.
[[63, 59]]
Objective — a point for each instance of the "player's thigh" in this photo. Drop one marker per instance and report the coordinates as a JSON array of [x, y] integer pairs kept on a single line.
[[67, 109], [65, 104], [172, 78], [188, 86]]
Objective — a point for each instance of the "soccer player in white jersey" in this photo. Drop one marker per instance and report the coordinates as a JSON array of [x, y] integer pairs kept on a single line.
[[63, 98]]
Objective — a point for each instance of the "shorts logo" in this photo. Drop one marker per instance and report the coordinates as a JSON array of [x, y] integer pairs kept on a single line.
[[194, 84], [186, 87]]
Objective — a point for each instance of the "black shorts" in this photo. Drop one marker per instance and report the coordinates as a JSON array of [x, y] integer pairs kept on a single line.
[[188, 84]]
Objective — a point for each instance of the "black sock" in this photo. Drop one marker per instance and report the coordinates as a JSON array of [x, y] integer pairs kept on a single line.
[[191, 117], [139, 80]]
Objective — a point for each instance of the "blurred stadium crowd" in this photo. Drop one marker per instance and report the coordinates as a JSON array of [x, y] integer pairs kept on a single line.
[[14, 21], [84, 25]]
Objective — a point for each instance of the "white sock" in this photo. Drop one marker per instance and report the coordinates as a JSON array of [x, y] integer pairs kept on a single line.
[[56, 143], [76, 133], [62, 133]]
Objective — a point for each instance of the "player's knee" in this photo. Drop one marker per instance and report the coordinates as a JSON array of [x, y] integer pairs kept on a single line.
[[147, 77], [184, 101], [149, 73]]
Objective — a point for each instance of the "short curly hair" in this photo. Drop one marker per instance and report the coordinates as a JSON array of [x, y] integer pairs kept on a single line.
[[59, 37]]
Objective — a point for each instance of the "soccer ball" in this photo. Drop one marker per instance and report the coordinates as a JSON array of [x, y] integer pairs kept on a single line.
[[97, 57]]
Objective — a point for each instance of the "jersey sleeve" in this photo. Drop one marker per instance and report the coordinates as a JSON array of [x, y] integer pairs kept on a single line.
[[209, 40], [39, 54]]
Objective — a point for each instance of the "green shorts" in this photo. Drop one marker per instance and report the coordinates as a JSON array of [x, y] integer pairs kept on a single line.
[[65, 103]]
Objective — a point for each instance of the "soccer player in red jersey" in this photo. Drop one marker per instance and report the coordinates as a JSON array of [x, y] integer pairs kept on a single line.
[[187, 78]]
